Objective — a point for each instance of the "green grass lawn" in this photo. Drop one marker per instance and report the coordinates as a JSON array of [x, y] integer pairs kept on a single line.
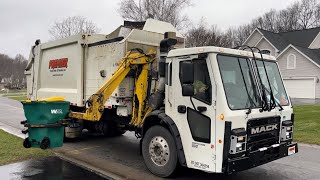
[[18, 97], [12, 150], [14, 91], [307, 124]]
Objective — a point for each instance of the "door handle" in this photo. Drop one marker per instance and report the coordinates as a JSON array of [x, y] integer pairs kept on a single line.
[[182, 109], [202, 108]]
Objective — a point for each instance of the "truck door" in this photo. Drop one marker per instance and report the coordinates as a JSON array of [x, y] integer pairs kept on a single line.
[[194, 113]]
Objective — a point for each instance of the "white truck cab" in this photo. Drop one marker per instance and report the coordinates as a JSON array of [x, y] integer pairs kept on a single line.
[[227, 116]]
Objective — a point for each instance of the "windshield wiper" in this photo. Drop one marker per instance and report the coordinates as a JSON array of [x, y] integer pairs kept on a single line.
[[275, 101], [245, 84], [272, 102], [266, 105], [256, 73]]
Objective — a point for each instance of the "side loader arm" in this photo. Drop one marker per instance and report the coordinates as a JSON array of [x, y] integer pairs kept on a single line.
[[96, 102]]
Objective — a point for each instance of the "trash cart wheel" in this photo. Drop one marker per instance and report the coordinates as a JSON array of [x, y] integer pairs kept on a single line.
[[26, 143], [45, 143]]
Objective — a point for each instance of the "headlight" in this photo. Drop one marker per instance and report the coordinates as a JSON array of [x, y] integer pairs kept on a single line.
[[287, 130], [238, 141], [241, 138]]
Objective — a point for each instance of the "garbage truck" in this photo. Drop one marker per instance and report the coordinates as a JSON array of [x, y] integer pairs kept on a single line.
[[214, 109]]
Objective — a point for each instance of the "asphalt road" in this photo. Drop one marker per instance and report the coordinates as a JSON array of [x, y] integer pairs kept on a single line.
[[11, 114], [120, 156]]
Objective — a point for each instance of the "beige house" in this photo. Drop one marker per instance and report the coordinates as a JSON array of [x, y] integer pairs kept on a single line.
[[298, 55]]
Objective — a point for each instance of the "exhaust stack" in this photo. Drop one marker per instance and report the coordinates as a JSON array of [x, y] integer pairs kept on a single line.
[[156, 99]]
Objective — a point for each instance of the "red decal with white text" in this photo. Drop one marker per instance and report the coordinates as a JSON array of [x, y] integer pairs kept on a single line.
[[58, 66]]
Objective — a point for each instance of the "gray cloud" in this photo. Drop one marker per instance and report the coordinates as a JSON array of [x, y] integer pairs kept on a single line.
[[22, 22]]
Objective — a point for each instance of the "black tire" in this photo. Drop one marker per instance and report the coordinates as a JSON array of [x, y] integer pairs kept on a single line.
[[45, 143], [26, 143], [171, 163]]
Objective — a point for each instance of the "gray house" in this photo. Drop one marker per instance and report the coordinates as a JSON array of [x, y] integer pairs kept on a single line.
[[298, 55]]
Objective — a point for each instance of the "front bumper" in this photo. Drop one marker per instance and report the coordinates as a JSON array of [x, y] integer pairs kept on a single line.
[[260, 157]]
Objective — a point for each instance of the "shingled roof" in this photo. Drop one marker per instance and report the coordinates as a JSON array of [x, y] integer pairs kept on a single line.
[[276, 39], [301, 39]]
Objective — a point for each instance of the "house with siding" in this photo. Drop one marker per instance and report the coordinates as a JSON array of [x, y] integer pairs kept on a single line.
[[298, 56]]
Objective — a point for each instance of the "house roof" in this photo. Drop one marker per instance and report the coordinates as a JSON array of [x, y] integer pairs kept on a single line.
[[301, 39], [279, 42], [314, 54]]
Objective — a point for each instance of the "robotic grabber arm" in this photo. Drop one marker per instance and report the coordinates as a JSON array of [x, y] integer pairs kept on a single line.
[[132, 60]]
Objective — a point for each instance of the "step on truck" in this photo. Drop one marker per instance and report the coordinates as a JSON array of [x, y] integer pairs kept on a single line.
[[214, 109]]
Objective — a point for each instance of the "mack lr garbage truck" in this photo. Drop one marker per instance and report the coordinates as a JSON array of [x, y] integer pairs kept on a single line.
[[214, 109]]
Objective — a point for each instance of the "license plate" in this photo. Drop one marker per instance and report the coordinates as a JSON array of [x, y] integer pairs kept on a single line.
[[291, 150]]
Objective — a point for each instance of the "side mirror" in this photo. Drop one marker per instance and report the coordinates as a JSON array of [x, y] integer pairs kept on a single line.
[[187, 90], [186, 72]]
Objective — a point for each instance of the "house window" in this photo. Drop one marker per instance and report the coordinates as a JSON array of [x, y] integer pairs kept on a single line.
[[268, 52], [291, 61]]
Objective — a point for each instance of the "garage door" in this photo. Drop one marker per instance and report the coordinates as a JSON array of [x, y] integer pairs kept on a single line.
[[300, 88]]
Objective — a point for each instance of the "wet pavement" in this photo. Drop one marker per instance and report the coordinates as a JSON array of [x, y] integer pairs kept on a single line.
[[121, 156], [300, 101], [51, 168]]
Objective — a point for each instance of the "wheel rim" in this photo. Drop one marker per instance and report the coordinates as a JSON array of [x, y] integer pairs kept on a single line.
[[159, 151]]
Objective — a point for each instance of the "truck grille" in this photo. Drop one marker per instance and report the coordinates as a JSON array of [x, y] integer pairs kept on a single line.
[[262, 132]]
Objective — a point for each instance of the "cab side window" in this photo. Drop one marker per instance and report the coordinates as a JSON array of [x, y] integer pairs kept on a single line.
[[202, 83]]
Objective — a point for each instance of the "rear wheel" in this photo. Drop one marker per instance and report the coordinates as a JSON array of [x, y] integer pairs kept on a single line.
[[159, 151]]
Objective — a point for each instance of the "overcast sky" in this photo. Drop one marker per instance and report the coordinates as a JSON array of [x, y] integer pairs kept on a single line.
[[24, 21]]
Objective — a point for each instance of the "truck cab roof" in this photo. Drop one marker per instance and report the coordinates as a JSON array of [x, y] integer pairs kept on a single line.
[[218, 50]]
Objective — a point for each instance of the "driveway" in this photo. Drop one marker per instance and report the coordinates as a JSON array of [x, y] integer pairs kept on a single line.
[[120, 156], [300, 101]]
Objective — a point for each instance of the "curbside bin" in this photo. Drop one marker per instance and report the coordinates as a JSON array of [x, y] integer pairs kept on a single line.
[[43, 122]]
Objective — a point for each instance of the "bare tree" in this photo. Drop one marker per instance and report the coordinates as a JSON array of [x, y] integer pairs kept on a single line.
[[299, 15], [287, 19], [72, 26], [307, 13], [164, 10], [201, 35], [197, 35], [12, 70]]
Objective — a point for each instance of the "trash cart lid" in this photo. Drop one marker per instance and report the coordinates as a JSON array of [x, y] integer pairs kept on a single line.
[[50, 99]]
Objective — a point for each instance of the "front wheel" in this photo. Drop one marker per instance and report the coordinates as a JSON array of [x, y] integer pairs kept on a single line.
[[159, 151]]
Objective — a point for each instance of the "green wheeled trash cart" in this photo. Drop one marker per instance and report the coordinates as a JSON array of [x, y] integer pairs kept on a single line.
[[45, 127]]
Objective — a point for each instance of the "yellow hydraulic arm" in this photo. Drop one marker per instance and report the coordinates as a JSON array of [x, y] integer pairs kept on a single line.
[[96, 102]]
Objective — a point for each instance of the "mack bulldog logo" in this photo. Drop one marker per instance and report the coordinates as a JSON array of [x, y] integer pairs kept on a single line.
[[262, 129], [58, 65]]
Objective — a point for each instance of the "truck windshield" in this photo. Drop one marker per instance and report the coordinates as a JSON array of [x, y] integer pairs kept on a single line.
[[239, 83], [275, 82]]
